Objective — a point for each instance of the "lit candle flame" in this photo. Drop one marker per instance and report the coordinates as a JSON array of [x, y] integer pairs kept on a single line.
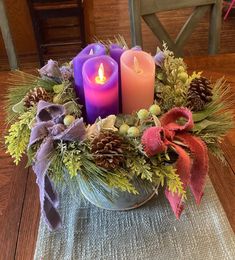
[[100, 79], [91, 52], [137, 68]]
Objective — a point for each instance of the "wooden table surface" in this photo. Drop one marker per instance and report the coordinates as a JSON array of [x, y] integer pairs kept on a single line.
[[19, 202]]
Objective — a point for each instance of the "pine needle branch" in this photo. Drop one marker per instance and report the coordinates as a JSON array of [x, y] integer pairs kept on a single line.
[[20, 83], [118, 39], [213, 123]]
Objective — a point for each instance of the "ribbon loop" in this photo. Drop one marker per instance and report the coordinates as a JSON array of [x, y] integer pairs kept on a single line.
[[170, 119], [39, 132], [48, 111], [153, 141]]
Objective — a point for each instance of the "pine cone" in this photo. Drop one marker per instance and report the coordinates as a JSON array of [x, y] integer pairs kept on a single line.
[[34, 96], [199, 94], [107, 150]]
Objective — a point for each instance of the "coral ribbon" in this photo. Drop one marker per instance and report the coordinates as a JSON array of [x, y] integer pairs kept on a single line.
[[193, 169], [47, 129]]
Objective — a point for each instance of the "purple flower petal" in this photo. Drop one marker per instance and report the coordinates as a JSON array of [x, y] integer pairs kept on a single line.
[[136, 48], [66, 72], [159, 58], [51, 70]]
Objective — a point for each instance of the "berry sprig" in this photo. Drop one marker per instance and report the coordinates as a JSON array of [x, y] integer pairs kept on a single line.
[[145, 117]]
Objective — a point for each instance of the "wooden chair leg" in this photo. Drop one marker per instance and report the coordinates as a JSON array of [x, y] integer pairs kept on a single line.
[[135, 18], [215, 28], [6, 33]]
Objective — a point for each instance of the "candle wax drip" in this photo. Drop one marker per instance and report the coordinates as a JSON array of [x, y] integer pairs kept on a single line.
[[137, 68]]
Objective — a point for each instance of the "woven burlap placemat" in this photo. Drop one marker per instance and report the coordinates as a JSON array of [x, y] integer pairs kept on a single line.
[[149, 232]]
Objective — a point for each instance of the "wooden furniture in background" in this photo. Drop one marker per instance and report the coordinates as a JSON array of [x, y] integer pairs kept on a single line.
[[100, 21], [6, 33], [147, 9], [42, 10]]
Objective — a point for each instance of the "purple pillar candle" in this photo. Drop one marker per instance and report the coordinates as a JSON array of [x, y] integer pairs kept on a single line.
[[100, 78], [92, 50], [116, 52]]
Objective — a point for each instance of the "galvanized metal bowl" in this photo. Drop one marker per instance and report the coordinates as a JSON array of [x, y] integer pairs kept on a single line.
[[120, 200]]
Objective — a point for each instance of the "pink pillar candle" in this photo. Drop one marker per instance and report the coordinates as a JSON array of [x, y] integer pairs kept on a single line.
[[137, 76], [100, 81]]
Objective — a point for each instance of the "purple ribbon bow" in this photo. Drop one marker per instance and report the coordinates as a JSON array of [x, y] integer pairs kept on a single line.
[[48, 128]]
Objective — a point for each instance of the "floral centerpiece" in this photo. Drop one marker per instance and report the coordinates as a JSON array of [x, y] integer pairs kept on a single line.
[[68, 121]]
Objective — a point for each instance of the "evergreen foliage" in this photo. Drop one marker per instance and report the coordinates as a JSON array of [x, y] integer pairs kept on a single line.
[[172, 81], [18, 135], [213, 123], [20, 83], [167, 175], [139, 167]]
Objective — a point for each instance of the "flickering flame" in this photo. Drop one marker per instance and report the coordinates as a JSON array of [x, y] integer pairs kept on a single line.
[[137, 68], [100, 78], [101, 72], [91, 52]]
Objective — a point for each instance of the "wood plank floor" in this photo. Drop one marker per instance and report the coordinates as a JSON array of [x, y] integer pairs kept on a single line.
[[13, 182], [19, 203]]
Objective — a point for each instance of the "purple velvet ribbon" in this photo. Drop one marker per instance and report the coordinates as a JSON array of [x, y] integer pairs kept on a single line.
[[48, 128]]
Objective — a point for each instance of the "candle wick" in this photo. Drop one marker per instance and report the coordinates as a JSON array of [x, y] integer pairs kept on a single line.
[[91, 52], [137, 66]]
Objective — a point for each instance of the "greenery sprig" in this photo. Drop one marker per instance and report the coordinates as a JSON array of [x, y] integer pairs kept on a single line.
[[20, 83], [18, 135], [213, 123], [172, 81]]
